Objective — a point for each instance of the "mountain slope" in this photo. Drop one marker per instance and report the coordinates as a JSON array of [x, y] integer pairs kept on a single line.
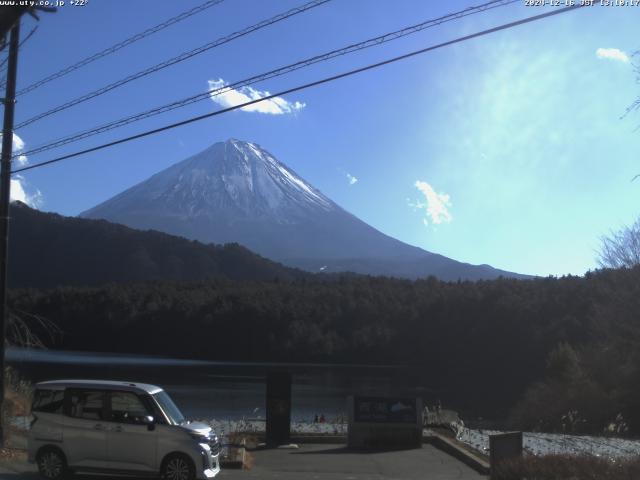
[[47, 250], [236, 191]]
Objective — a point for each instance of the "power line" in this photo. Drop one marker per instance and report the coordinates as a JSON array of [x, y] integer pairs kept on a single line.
[[3, 82], [303, 87], [268, 75], [172, 61], [271, 74], [121, 45], [29, 35]]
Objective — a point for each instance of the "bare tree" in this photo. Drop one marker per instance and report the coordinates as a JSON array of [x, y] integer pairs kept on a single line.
[[26, 330], [636, 103], [621, 249], [635, 106]]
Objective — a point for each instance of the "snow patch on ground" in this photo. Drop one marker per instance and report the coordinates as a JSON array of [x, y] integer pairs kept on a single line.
[[226, 427], [534, 443], [550, 443]]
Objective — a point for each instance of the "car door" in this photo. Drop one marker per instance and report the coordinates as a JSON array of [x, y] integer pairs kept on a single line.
[[85, 434], [131, 444]]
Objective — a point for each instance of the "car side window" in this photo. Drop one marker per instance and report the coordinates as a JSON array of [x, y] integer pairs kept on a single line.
[[87, 404], [126, 407], [48, 401]]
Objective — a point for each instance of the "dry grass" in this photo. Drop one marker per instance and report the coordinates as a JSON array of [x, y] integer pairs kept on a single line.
[[567, 467], [18, 393], [248, 461], [238, 444], [17, 400], [12, 454]]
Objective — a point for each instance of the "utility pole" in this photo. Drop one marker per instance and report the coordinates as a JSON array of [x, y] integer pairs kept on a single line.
[[5, 187]]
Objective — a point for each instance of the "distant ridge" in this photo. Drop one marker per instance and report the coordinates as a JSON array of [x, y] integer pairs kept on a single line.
[[49, 250]]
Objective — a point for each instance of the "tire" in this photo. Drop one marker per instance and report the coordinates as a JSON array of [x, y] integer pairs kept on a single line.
[[178, 466], [52, 464]]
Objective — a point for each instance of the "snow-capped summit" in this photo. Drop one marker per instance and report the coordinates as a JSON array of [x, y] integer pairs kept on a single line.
[[240, 176], [234, 178], [236, 191], [269, 180]]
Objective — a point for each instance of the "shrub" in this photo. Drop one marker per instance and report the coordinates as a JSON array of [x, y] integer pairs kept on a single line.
[[567, 467], [567, 400]]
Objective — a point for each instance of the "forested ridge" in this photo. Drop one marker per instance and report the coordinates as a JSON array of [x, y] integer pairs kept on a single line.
[[47, 250], [534, 349]]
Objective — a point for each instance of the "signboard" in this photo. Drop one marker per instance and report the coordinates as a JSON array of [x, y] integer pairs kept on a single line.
[[385, 410], [384, 422]]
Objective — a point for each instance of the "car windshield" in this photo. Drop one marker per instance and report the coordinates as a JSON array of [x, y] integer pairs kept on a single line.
[[168, 407]]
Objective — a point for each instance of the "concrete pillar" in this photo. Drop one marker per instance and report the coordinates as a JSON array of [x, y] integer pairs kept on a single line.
[[278, 408]]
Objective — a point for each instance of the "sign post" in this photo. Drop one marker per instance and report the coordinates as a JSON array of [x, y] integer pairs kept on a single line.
[[504, 446]]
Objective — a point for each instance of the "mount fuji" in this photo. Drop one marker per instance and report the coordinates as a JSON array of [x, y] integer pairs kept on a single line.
[[236, 191]]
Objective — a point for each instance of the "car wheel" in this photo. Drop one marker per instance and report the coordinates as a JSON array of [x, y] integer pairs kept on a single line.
[[178, 467], [52, 464]]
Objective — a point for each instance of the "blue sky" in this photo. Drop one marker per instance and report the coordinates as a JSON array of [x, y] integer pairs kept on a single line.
[[507, 150]]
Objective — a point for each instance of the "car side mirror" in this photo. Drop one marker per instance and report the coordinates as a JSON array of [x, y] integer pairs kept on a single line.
[[149, 421]]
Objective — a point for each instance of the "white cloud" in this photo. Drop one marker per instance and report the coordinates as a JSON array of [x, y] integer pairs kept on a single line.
[[18, 189], [436, 205], [351, 179], [20, 193], [612, 54], [18, 144], [230, 97]]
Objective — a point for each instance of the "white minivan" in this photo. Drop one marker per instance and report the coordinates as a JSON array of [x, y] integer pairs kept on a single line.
[[117, 428]]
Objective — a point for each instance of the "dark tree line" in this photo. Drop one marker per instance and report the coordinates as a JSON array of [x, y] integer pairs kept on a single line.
[[489, 344]]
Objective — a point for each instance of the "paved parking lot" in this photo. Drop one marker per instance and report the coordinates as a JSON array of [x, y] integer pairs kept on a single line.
[[323, 462], [334, 462]]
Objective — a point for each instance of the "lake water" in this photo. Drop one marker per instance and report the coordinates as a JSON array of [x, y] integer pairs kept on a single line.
[[226, 390]]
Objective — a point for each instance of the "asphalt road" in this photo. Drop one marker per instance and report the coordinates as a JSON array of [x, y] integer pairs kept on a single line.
[[322, 462]]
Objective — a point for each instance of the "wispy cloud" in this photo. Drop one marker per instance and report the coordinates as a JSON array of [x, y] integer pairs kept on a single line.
[[20, 189], [612, 54], [435, 205], [351, 179], [230, 97]]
